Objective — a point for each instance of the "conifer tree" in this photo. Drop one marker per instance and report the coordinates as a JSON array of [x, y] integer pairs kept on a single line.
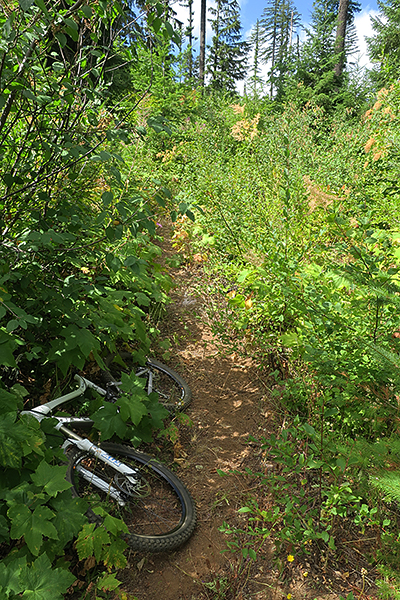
[[384, 47], [323, 55], [279, 20], [188, 34], [256, 81], [227, 60]]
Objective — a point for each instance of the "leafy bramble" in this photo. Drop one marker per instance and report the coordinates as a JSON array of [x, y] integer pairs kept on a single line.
[[31, 525], [52, 479]]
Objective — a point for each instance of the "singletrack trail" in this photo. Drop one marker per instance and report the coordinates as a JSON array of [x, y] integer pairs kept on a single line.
[[231, 402]]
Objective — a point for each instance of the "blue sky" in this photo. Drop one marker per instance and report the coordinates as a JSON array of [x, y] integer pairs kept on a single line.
[[251, 10]]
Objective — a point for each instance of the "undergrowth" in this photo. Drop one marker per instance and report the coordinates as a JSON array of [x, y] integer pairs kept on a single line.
[[300, 230]]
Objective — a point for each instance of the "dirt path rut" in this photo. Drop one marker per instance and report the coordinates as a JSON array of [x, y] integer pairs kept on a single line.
[[229, 404]]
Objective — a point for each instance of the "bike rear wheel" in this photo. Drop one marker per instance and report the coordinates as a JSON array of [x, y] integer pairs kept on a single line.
[[174, 393], [158, 510]]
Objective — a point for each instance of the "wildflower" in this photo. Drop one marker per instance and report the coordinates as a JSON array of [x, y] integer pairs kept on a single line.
[[377, 156], [369, 145], [289, 596], [290, 558], [237, 109]]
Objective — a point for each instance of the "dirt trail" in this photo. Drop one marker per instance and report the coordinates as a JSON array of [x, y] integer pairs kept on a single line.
[[229, 404]]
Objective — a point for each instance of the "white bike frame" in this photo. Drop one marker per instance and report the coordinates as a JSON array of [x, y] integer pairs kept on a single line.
[[71, 438]]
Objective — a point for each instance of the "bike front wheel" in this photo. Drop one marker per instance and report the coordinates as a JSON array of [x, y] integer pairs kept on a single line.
[[173, 391], [155, 505]]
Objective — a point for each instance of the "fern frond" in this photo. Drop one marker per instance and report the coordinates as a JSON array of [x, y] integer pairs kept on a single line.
[[390, 357], [388, 483]]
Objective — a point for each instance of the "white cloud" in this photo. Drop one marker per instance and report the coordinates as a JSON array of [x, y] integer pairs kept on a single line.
[[364, 29]]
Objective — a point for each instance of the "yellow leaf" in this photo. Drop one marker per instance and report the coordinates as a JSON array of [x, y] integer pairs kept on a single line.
[[248, 303]]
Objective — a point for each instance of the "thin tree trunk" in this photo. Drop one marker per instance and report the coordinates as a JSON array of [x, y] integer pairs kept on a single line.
[[291, 31], [202, 57], [273, 59], [190, 39], [340, 36]]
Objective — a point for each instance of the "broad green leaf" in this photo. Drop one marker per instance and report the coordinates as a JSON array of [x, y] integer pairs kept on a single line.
[[169, 29], [31, 525], [85, 542], [107, 198], [109, 422], [108, 582], [42, 6], [70, 516], [341, 463], [7, 346], [116, 173], [156, 24], [9, 402], [10, 577], [52, 479], [41, 581], [18, 438], [71, 23], [12, 325], [157, 123], [309, 429], [62, 40], [87, 342], [114, 525], [87, 11], [100, 539], [73, 33], [157, 411], [91, 540], [134, 407], [26, 4], [290, 339], [104, 155], [57, 66], [252, 554], [142, 299], [4, 530], [113, 555]]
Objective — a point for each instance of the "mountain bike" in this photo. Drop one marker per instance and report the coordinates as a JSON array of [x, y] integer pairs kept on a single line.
[[153, 503], [174, 393]]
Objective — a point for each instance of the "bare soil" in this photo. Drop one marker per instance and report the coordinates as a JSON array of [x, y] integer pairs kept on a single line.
[[231, 402]]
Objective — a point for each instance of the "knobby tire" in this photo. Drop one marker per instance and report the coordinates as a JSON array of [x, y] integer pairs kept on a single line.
[[159, 512]]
